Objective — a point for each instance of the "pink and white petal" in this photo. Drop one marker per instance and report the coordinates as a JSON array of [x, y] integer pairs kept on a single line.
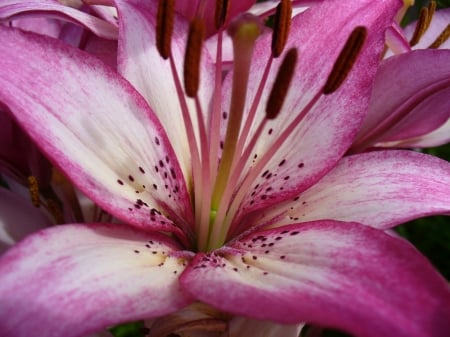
[[106, 12], [197, 319], [401, 108], [11, 10], [396, 40], [46, 26], [428, 115], [95, 126], [333, 274], [243, 326], [141, 64], [267, 8], [326, 132], [440, 136], [380, 189], [18, 219], [72, 280]]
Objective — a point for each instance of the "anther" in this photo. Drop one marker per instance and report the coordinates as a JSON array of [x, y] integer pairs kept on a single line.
[[421, 26], [281, 27], [164, 27], [221, 12], [33, 188], [431, 10], [55, 210], [345, 60], [444, 36], [192, 57], [281, 84]]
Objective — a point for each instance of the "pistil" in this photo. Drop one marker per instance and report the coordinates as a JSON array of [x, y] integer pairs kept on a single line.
[[244, 35]]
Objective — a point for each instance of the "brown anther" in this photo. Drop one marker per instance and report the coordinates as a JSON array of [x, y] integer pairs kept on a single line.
[[421, 27], [431, 10], [281, 85], [164, 27], [221, 12], [33, 188], [281, 27], [345, 60], [55, 210], [192, 57], [444, 36]]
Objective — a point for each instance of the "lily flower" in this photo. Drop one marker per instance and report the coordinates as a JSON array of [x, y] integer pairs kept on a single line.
[[409, 105], [235, 191]]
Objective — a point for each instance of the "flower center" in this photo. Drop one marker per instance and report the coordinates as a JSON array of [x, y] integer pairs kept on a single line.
[[222, 169]]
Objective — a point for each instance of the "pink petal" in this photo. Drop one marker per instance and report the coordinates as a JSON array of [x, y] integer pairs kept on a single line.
[[141, 64], [401, 108], [73, 280], [18, 218], [327, 131], [380, 189], [39, 25], [437, 137], [396, 39], [96, 127], [341, 275], [11, 9], [105, 50]]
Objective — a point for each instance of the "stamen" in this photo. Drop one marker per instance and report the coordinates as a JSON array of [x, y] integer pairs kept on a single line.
[[70, 196], [191, 85], [431, 10], [281, 84], [33, 188], [192, 57], [281, 27], [164, 27], [345, 60], [421, 26], [221, 13], [268, 155], [444, 36], [55, 211]]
